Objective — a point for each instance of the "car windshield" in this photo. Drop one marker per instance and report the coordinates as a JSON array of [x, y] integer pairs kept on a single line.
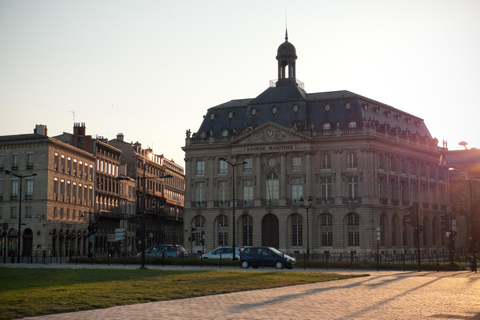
[[276, 251]]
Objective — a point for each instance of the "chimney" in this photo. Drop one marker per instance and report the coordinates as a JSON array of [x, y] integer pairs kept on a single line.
[[120, 136], [40, 129]]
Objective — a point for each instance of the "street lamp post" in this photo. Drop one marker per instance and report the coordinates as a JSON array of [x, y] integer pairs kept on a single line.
[[307, 207], [233, 164], [20, 177]]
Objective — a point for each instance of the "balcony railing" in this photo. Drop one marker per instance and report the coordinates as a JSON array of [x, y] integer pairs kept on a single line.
[[352, 200]]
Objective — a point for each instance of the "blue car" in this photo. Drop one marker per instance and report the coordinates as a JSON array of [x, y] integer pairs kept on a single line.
[[265, 257]]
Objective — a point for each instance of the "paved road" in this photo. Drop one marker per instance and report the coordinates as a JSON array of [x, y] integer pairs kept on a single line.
[[383, 295]]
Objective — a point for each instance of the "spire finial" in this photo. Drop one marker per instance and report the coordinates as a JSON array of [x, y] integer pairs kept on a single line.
[[286, 29]]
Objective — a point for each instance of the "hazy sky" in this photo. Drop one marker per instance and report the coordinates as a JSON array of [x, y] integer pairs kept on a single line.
[[151, 69]]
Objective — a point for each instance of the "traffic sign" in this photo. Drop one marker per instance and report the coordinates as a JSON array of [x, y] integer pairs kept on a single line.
[[119, 234]]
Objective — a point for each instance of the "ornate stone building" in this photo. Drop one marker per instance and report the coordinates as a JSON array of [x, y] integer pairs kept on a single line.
[[56, 202], [362, 163]]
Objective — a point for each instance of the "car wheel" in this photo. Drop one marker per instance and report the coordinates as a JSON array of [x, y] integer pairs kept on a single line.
[[278, 265], [245, 264]]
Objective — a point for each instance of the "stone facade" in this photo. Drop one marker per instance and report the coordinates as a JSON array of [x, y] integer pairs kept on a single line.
[[362, 162], [57, 204]]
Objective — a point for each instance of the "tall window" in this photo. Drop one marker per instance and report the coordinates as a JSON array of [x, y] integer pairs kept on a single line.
[[222, 193], [297, 234], [13, 212], [14, 189], [272, 189], [326, 161], [380, 162], [296, 163], [62, 190], [247, 229], [352, 187], [201, 167], [326, 188], [199, 224], [353, 229], [2, 162], [392, 164], [247, 192], [29, 189], [222, 224], [404, 231], [327, 230], [15, 161], [1, 189], [248, 167], [30, 160], [297, 190], [200, 193], [222, 167], [351, 160]]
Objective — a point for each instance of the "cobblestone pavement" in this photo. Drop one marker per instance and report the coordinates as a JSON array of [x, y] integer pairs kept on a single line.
[[382, 295]]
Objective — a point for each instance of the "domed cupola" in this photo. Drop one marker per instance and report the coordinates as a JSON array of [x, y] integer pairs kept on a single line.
[[286, 56]]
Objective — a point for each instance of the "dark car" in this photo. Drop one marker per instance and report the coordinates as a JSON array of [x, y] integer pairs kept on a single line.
[[164, 250], [265, 257]]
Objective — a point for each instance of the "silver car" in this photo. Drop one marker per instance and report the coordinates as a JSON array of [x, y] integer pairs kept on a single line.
[[223, 252]]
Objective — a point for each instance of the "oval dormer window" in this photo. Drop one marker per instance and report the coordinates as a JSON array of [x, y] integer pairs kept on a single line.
[[212, 116], [296, 108], [230, 115], [348, 106], [254, 112]]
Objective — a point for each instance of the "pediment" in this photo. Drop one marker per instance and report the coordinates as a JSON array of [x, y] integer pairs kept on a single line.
[[271, 133]]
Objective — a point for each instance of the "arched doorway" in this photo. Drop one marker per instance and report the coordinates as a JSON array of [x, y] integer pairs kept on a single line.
[[27, 247], [270, 233]]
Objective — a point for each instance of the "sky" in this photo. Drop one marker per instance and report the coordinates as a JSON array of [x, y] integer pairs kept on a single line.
[[151, 69]]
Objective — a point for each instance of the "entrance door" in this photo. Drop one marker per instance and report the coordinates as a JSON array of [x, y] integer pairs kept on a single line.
[[27, 243], [270, 233]]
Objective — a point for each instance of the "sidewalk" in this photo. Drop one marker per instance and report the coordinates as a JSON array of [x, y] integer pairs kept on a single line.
[[383, 295]]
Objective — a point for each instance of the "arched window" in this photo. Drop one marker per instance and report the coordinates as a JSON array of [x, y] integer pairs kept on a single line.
[[353, 229], [383, 229], [426, 231], [297, 234], [222, 230], [327, 229], [394, 230], [352, 125], [272, 188], [247, 230], [327, 126], [434, 231], [404, 229]]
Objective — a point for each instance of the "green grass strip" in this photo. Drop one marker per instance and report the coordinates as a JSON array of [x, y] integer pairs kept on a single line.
[[26, 292]]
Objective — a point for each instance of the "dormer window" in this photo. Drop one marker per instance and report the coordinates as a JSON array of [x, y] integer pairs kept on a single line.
[[352, 125], [327, 126], [274, 110], [348, 106], [212, 116], [253, 112], [296, 108], [225, 133], [230, 115], [327, 108]]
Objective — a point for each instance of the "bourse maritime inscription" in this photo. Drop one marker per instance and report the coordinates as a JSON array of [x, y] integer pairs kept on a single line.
[[269, 148]]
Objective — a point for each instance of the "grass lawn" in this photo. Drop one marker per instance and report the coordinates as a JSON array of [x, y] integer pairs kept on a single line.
[[32, 292]]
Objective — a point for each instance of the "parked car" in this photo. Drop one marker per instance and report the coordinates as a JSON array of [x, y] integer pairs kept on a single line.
[[223, 252], [266, 257], [170, 251]]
